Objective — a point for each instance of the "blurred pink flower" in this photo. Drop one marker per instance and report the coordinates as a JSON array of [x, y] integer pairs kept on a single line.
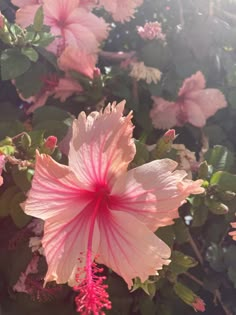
[[32, 268], [194, 105], [66, 87], [121, 10], [74, 25], [2, 23], [96, 209], [2, 163], [151, 30], [61, 88], [77, 60]]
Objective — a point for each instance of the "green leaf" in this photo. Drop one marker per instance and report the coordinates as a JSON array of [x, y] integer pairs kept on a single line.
[[181, 231], [50, 113], [9, 112], [220, 158], [215, 257], [5, 200], [147, 306], [13, 64], [38, 19], [21, 179], [225, 181], [11, 128], [180, 262], [31, 53], [166, 234], [17, 214], [30, 83], [217, 207], [50, 57], [7, 149], [200, 215], [53, 127]]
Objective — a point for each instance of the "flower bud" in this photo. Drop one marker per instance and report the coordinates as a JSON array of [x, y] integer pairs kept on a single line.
[[169, 136], [50, 143], [198, 304]]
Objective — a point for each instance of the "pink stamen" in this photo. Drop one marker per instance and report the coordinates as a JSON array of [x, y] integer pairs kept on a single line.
[[92, 297]]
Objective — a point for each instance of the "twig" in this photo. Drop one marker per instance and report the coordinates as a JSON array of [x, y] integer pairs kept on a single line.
[[218, 296], [196, 250], [120, 55]]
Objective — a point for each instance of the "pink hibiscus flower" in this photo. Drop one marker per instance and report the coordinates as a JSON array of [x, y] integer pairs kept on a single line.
[[2, 163], [121, 10], [74, 59], [194, 105], [96, 209], [74, 25]]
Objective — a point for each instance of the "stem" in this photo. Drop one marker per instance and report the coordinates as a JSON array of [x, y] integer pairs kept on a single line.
[[19, 135], [120, 55], [196, 250]]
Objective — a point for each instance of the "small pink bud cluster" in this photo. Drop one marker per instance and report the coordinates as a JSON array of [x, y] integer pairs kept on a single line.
[[151, 30]]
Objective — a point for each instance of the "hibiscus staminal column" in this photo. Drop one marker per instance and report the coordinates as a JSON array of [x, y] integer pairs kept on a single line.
[[92, 297]]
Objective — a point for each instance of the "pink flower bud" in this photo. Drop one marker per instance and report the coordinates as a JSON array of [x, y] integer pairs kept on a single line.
[[50, 142], [96, 73], [169, 136], [198, 304]]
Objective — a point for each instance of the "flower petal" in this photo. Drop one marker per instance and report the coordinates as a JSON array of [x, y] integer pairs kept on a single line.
[[65, 245], [194, 114], [129, 248], [164, 113], [75, 59], [25, 16], [101, 147], [195, 83], [153, 192], [209, 101], [55, 192]]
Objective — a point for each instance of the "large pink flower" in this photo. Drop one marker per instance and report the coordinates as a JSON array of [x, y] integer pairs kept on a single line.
[[95, 206], [74, 25], [194, 105], [121, 10]]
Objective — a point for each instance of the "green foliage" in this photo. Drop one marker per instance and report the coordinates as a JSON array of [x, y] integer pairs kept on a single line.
[[13, 63]]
